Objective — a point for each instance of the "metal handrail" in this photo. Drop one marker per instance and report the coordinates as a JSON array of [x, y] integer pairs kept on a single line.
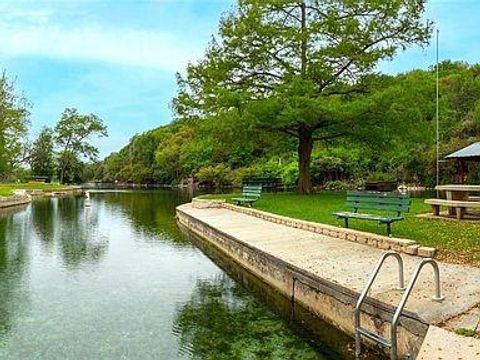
[[363, 295], [396, 317]]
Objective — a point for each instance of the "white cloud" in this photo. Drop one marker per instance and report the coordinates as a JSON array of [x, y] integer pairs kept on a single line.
[[95, 43]]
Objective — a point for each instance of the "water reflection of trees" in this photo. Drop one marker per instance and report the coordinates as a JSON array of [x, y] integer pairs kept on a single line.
[[66, 224], [78, 237], [151, 212], [222, 321], [43, 212], [13, 263]]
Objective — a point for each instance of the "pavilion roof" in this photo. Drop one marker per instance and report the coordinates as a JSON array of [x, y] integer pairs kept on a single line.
[[471, 152]]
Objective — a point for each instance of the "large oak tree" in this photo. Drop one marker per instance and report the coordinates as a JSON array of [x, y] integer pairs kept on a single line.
[[303, 59]]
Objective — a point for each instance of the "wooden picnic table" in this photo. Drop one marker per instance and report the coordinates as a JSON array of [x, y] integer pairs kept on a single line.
[[458, 192], [458, 199]]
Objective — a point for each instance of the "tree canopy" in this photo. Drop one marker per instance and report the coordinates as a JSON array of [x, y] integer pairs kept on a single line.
[[302, 62], [398, 143], [72, 134]]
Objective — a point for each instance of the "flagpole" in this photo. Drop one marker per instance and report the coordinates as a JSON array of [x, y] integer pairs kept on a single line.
[[437, 120]]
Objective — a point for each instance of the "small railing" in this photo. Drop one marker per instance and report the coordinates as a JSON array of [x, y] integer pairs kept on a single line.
[[437, 297], [392, 343], [359, 331]]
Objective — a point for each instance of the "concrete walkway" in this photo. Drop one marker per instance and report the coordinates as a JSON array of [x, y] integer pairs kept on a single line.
[[350, 264], [440, 344]]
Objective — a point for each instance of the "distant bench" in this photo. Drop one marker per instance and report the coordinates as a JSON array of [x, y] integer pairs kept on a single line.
[[460, 206], [389, 202], [265, 181], [250, 194]]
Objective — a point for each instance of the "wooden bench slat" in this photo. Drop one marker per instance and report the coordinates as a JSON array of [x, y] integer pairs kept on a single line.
[[395, 201], [378, 194], [369, 216], [384, 207]]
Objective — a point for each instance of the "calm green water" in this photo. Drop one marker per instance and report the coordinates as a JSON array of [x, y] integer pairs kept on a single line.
[[120, 280]]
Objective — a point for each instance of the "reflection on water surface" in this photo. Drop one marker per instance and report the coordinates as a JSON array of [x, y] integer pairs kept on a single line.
[[119, 280]]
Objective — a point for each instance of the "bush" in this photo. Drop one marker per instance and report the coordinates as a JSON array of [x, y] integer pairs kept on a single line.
[[290, 174], [379, 176], [214, 175], [340, 185]]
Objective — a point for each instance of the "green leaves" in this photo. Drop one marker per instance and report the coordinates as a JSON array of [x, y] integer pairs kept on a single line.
[[42, 155], [290, 57], [14, 124], [72, 135]]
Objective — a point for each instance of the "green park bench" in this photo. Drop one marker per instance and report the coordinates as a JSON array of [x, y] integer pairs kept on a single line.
[[250, 194], [388, 202]]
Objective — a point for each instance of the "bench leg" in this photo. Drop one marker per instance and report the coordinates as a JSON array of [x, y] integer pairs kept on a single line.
[[451, 211], [436, 210], [389, 229], [346, 222], [460, 212]]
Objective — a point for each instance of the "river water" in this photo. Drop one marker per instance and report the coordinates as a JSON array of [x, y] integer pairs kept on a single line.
[[120, 280]]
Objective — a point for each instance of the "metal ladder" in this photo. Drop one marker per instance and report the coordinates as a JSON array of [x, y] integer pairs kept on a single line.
[[392, 343]]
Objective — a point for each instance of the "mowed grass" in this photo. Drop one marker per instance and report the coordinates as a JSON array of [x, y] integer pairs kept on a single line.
[[7, 189], [459, 240]]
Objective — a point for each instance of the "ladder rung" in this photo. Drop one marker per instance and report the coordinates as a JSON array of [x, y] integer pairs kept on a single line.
[[375, 337]]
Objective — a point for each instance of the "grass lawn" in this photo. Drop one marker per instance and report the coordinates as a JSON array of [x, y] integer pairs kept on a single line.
[[7, 189], [458, 241]]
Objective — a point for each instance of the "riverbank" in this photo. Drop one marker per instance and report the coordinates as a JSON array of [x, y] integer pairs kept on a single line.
[[22, 193], [326, 274], [456, 242]]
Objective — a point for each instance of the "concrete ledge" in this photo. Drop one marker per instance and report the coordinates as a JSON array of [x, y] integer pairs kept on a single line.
[[442, 344], [207, 203], [14, 200], [379, 241], [324, 298]]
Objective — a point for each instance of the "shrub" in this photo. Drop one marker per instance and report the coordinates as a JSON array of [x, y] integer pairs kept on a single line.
[[379, 176], [214, 175]]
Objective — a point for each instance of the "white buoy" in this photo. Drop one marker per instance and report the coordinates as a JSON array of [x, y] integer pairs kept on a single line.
[[88, 203]]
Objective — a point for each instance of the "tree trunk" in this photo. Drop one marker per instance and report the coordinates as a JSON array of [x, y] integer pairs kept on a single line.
[[62, 170], [305, 147]]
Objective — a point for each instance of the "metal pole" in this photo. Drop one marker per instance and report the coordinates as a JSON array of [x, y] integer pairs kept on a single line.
[[437, 122]]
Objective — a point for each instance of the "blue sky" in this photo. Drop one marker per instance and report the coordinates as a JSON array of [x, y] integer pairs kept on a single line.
[[118, 58]]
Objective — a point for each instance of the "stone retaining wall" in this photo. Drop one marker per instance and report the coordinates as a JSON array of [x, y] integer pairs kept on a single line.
[[325, 299], [383, 242], [14, 200], [22, 197]]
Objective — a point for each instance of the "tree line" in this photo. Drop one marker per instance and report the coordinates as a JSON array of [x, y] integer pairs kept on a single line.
[[394, 140], [291, 89], [61, 153]]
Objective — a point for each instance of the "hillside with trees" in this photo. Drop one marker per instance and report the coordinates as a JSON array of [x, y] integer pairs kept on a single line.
[[394, 139]]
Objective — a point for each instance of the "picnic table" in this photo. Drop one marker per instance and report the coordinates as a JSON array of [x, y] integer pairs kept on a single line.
[[458, 192], [458, 199]]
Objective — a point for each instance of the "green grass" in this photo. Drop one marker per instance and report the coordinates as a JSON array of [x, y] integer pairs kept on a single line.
[[465, 332], [4, 191], [458, 239], [7, 189]]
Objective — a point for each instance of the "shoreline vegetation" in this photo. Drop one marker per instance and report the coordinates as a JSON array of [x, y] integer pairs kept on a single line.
[[7, 189], [13, 194], [456, 241]]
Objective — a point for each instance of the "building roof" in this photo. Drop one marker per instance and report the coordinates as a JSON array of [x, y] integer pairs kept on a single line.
[[471, 151]]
